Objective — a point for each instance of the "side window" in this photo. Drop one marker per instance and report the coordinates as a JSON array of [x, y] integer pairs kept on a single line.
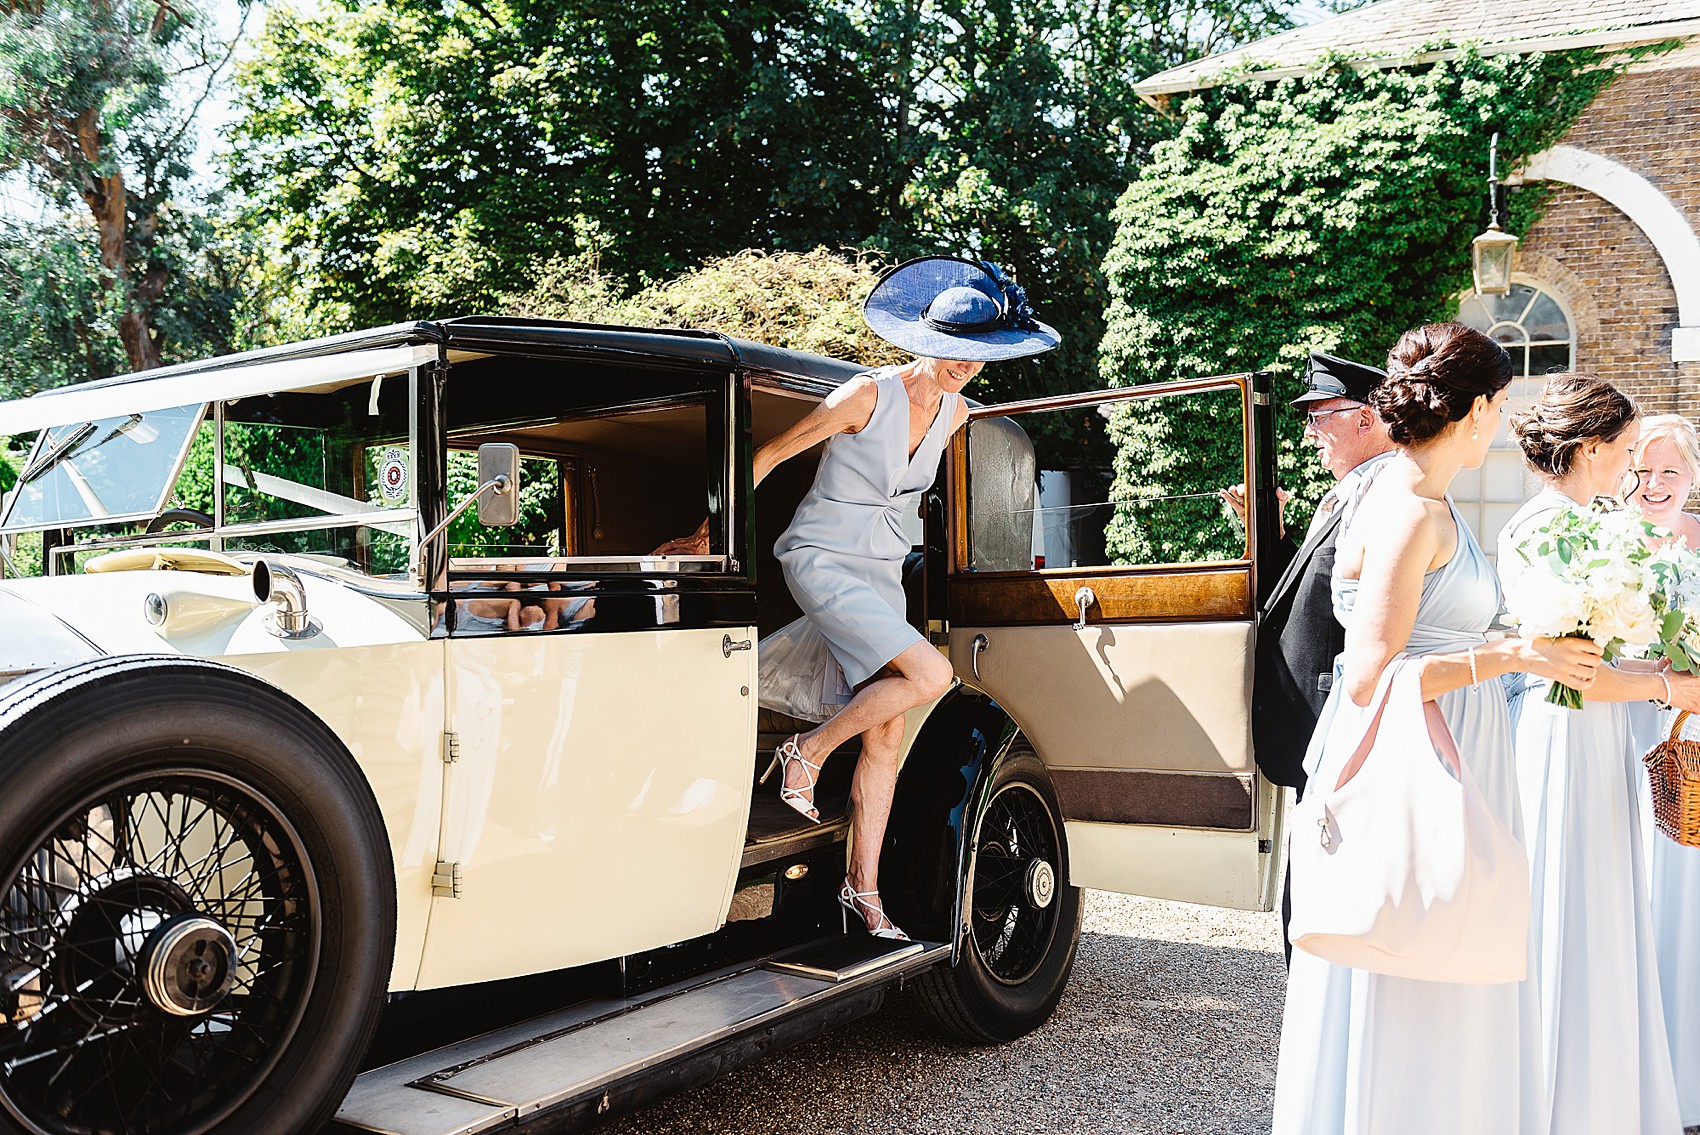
[[603, 488], [543, 528], [322, 474], [1129, 481]]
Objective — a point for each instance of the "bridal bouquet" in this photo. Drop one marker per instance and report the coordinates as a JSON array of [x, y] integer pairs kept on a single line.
[[1591, 575], [1676, 574]]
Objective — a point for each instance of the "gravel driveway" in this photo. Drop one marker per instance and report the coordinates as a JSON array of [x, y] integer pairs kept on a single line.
[[1168, 1026]]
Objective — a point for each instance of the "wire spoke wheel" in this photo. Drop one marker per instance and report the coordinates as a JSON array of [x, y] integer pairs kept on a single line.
[[1013, 886], [158, 942]]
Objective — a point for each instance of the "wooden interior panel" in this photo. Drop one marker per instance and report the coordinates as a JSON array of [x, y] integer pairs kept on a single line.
[[1039, 598]]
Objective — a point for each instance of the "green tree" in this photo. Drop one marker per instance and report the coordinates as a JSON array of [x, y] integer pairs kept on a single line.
[[92, 113], [421, 157], [424, 157], [1328, 212], [1027, 131]]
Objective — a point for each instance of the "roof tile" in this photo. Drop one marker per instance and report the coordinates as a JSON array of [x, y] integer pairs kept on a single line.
[[1399, 27]]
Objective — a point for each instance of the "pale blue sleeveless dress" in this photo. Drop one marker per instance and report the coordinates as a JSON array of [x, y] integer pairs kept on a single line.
[[1673, 883], [1367, 1054], [1605, 1057], [843, 553]]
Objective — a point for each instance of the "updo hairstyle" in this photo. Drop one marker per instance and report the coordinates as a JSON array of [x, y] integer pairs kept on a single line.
[[1677, 430], [1435, 373], [1573, 409]]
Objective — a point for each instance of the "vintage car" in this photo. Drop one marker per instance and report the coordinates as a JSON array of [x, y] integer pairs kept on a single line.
[[341, 686]]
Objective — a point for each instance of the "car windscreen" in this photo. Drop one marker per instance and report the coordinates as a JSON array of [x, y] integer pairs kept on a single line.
[[100, 472]]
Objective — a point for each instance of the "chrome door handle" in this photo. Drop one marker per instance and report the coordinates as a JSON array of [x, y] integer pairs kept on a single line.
[[727, 646], [1083, 599], [981, 642]]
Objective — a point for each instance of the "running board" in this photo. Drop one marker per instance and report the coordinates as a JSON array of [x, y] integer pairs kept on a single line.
[[580, 1053]]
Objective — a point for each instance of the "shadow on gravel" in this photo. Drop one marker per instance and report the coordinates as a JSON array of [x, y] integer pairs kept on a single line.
[[1153, 1036]]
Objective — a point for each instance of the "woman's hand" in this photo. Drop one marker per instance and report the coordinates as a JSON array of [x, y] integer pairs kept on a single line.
[[1684, 690], [696, 544], [1571, 661]]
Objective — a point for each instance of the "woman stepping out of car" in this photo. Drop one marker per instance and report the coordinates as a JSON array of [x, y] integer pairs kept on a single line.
[[843, 552]]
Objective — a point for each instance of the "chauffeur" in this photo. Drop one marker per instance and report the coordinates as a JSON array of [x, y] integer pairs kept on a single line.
[[1298, 636]]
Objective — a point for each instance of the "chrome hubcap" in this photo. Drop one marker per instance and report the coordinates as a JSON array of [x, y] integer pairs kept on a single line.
[[189, 965], [1041, 884]]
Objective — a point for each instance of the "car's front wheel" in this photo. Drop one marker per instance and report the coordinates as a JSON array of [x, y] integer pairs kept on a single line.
[[1023, 917], [197, 908]]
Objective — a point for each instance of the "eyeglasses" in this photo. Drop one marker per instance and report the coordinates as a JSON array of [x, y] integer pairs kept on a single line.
[[1314, 417]]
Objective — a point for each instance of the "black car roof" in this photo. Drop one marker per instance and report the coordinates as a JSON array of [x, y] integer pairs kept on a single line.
[[510, 335]]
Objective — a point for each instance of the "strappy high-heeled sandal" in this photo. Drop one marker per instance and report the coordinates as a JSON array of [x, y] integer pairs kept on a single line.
[[854, 901], [802, 800]]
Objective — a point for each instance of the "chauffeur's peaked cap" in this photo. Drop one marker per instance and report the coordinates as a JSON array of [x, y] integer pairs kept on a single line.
[[1330, 376]]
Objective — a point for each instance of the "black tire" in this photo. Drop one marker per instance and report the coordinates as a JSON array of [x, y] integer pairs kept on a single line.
[[1019, 951], [197, 871]]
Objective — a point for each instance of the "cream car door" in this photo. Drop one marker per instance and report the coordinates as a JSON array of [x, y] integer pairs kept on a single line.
[[1116, 627]]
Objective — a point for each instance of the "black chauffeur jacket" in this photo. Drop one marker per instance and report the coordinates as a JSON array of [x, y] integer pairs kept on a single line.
[[1298, 639]]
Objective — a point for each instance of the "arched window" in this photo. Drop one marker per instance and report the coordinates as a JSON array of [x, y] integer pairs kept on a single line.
[[1529, 322]]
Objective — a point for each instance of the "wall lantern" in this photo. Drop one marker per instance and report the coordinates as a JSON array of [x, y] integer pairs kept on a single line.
[[1494, 253]]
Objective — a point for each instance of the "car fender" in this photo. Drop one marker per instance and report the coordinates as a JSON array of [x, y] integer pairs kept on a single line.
[[940, 791]]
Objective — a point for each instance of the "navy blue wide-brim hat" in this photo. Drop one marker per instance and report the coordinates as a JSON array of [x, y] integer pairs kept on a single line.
[[943, 307]]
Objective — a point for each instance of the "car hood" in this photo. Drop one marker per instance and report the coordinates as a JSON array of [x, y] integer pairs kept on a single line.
[[35, 639]]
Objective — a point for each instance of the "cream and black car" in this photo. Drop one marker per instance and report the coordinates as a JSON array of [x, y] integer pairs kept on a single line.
[[342, 695]]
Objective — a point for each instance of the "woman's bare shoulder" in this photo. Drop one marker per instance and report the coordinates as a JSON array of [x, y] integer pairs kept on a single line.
[[851, 405], [959, 417], [1392, 518]]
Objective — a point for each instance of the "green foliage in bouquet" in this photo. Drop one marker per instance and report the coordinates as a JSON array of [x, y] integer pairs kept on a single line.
[[1326, 212], [1589, 572]]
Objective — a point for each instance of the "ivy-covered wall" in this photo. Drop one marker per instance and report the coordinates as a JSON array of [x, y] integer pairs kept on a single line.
[[1328, 213]]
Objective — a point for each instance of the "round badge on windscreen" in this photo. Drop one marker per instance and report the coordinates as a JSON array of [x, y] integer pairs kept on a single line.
[[392, 475]]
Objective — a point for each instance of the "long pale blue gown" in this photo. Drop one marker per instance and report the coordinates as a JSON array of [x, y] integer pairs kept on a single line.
[[843, 553], [1367, 1054], [1604, 1056], [1673, 883]]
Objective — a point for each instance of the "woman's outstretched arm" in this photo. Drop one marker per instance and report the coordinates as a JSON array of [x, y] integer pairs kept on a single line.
[[1400, 542], [846, 410], [1399, 550]]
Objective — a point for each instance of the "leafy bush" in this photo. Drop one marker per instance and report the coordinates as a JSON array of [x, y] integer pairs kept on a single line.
[[807, 301]]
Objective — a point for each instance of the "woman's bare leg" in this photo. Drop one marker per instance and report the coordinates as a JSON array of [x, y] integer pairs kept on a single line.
[[870, 805], [922, 675]]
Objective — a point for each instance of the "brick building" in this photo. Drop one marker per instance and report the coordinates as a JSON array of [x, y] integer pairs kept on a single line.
[[1608, 280]]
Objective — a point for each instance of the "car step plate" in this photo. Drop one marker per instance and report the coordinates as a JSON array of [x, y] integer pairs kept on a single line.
[[488, 1082], [840, 959]]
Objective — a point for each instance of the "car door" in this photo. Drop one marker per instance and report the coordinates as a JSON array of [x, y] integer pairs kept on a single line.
[[600, 696], [1100, 590]]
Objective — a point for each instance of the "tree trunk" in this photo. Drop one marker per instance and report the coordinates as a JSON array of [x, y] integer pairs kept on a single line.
[[108, 202]]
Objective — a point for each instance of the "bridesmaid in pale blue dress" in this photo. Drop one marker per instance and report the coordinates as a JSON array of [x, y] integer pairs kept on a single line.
[[843, 552], [1364, 1053], [1604, 1057], [1666, 467]]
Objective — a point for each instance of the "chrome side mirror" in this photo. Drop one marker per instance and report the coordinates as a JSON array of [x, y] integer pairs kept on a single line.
[[498, 484], [497, 495]]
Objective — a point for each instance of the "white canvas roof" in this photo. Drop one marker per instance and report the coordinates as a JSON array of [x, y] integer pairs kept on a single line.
[[92, 403]]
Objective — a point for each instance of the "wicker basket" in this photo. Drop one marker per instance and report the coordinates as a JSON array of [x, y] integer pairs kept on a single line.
[[1674, 767]]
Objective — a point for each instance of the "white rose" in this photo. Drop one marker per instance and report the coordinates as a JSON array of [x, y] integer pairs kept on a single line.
[[1628, 616], [1547, 606]]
